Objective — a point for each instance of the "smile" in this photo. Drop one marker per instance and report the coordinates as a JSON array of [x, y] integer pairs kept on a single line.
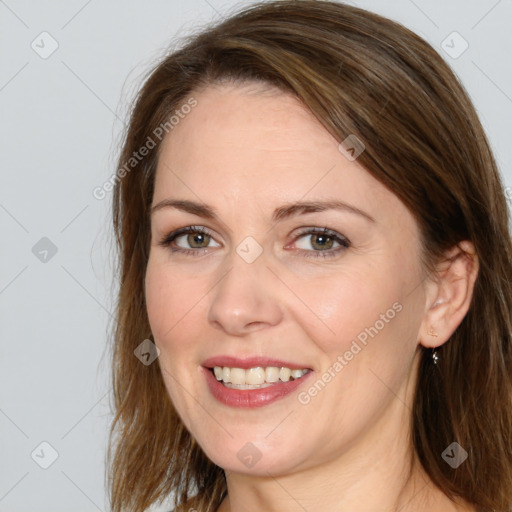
[[242, 393], [257, 377]]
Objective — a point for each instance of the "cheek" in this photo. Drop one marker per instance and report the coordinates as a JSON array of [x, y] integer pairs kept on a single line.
[[170, 298], [363, 320], [340, 306], [176, 307], [159, 300], [170, 306]]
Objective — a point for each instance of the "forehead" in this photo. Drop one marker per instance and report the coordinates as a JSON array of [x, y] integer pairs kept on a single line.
[[230, 118], [248, 143]]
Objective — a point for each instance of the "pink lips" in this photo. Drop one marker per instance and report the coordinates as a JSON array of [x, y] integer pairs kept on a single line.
[[249, 398], [251, 362]]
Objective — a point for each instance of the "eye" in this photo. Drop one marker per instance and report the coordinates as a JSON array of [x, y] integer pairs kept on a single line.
[[196, 237], [322, 242]]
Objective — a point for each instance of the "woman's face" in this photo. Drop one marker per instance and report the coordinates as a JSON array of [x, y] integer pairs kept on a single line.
[[261, 281]]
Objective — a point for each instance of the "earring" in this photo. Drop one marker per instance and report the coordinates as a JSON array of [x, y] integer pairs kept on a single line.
[[435, 357]]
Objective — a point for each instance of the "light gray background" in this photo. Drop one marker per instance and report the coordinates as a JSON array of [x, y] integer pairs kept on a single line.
[[60, 120]]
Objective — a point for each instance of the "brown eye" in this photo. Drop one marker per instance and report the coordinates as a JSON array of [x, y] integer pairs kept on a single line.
[[322, 241], [196, 238]]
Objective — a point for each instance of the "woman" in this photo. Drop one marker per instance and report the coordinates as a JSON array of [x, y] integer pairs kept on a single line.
[[315, 276]]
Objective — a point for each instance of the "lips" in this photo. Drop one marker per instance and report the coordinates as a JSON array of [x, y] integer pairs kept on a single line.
[[266, 394], [252, 362], [251, 398]]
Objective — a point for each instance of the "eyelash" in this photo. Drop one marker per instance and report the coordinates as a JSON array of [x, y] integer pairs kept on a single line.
[[343, 241]]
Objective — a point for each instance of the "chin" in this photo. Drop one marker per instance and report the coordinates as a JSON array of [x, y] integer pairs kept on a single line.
[[252, 452]]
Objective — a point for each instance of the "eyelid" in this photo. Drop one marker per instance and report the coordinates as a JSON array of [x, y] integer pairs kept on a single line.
[[314, 230]]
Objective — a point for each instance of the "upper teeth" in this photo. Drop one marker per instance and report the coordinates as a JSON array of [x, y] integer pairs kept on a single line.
[[257, 375]]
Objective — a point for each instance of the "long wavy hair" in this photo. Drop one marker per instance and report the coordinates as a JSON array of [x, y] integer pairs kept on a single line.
[[358, 73]]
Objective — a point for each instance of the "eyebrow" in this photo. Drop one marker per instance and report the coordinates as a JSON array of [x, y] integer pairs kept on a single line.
[[283, 212]]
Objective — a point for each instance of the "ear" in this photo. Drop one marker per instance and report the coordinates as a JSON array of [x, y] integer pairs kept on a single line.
[[449, 295]]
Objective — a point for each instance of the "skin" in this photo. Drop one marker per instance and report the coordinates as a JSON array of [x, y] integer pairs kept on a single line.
[[246, 150]]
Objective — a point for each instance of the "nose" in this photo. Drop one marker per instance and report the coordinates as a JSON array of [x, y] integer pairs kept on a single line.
[[245, 298]]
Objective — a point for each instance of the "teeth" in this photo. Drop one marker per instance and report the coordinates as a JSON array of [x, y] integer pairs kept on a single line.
[[238, 376], [296, 374], [285, 374], [271, 374], [255, 377]]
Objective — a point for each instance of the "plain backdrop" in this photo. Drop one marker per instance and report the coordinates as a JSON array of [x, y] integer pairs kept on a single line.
[[68, 72]]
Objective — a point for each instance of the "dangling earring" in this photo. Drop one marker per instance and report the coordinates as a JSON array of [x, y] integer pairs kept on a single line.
[[435, 357]]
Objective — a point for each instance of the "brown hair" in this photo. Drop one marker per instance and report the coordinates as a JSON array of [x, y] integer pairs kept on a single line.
[[362, 74]]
